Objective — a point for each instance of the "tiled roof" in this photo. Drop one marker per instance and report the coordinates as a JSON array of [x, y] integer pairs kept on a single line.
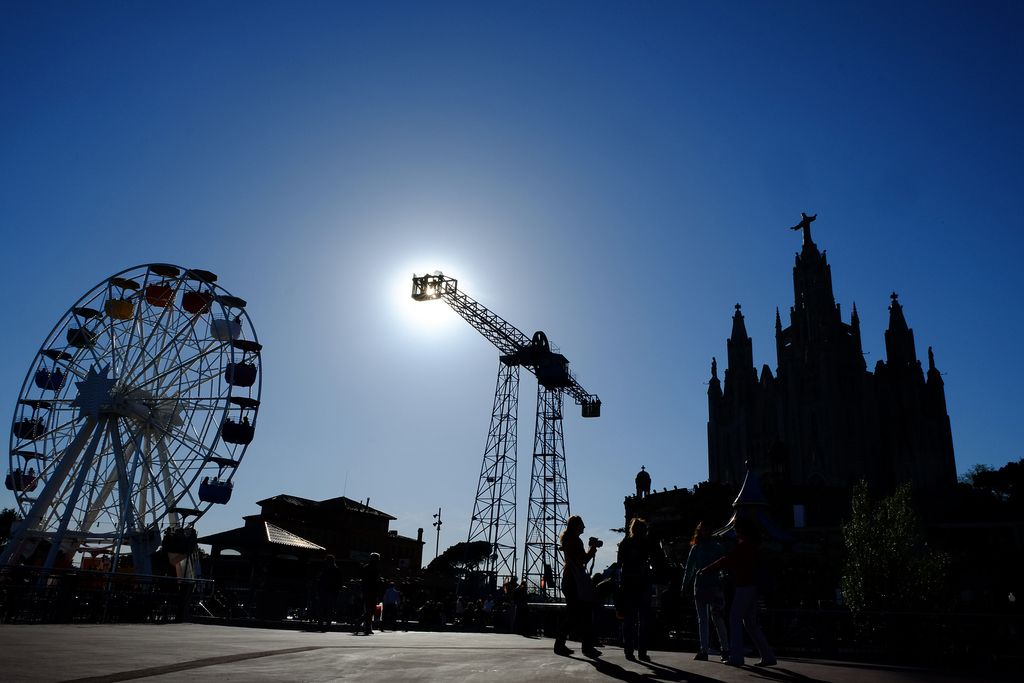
[[276, 534]]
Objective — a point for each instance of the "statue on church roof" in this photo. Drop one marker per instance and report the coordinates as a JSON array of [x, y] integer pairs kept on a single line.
[[643, 483], [805, 225]]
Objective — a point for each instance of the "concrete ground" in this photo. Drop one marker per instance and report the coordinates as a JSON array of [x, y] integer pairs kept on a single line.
[[198, 652]]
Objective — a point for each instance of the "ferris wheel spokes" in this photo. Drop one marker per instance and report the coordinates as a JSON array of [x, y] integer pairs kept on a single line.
[[166, 463], [157, 323], [186, 366]]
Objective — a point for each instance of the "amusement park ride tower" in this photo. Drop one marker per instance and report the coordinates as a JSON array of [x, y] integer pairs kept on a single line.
[[494, 512]]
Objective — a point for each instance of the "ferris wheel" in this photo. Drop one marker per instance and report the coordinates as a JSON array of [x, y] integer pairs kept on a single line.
[[133, 419]]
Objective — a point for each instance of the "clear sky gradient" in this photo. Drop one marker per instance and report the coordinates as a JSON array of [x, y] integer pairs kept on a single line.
[[618, 175]]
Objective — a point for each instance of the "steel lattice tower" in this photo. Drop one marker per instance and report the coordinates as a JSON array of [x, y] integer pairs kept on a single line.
[[494, 510], [549, 497]]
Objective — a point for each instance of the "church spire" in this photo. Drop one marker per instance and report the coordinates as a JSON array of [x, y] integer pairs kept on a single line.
[[935, 385], [896, 319], [714, 386], [739, 330], [899, 338], [858, 348], [741, 356]]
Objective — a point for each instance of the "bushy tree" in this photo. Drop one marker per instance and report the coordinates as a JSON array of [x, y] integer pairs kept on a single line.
[[889, 565], [460, 558], [1005, 484]]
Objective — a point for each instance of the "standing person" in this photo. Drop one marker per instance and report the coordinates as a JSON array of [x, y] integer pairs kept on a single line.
[[638, 559], [392, 602], [707, 590], [327, 592], [372, 583], [521, 606], [742, 561], [577, 588]]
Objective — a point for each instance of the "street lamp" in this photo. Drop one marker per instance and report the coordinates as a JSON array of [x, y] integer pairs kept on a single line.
[[437, 525]]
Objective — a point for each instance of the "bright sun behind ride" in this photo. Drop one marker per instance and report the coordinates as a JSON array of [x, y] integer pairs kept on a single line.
[[423, 316]]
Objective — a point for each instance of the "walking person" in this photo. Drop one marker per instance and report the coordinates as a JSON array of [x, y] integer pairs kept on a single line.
[[521, 601], [327, 592], [708, 597], [392, 603], [639, 557], [578, 589], [742, 562], [372, 590]]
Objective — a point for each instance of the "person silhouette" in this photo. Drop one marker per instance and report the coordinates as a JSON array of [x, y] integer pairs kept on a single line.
[[742, 562], [639, 557], [372, 590], [578, 589], [327, 592], [708, 597]]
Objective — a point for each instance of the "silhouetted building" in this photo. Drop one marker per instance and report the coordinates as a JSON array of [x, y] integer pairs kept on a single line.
[[348, 529], [272, 558], [823, 419]]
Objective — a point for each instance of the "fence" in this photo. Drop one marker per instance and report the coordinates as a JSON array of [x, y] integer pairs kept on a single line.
[[32, 595]]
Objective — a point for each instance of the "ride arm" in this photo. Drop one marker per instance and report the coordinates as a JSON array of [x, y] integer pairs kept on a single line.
[[505, 336]]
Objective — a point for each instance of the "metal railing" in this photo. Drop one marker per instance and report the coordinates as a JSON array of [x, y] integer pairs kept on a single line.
[[33, 595]]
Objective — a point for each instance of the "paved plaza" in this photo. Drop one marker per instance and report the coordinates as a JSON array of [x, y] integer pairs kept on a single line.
[[198, 652]]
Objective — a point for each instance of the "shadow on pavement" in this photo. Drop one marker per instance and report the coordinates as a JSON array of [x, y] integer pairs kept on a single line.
[[777, 673], [659, 672]]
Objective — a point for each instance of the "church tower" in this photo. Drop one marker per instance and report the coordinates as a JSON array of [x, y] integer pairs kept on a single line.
[[824, 420]]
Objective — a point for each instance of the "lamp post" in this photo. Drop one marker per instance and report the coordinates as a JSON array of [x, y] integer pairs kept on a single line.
[[437, 525]]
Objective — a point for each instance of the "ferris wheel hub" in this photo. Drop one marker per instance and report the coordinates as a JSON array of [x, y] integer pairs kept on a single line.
[[94, 393], [100, 395]]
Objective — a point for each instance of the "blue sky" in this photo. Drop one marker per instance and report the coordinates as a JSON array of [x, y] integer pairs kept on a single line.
[[618, 175]]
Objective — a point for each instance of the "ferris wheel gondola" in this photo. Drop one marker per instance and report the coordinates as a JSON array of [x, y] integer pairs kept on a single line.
[[145, 390]]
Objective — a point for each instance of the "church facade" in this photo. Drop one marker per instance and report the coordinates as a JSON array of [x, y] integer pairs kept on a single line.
[[823, 419]]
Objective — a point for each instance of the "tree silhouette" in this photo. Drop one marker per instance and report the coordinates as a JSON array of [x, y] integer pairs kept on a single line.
[[460, 558], [889, 565]]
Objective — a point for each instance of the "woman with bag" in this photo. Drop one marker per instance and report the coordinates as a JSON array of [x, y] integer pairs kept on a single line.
[[577, 588]]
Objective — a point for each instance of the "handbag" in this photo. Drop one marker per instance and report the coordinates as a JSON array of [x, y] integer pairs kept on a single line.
[[584, 586]]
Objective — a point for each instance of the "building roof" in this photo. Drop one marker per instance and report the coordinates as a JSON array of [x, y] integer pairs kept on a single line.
[[264, 532], [339, 502], [276, 534]]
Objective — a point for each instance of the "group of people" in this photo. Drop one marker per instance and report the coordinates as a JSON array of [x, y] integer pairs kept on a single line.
[[373, 592], [640, 561]]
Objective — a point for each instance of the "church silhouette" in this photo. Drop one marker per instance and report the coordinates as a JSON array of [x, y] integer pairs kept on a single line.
[[823, 420]]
